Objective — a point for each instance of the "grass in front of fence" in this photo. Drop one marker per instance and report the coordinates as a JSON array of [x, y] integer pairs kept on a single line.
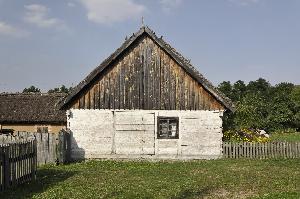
[[285, 137], [224, 178]]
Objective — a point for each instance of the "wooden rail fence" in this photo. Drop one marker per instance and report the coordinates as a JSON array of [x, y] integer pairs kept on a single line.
[[261, 150], [51, 147], [18, 163]]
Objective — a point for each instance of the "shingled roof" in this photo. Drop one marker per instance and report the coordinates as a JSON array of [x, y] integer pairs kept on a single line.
[[183, 62], [31, 108]]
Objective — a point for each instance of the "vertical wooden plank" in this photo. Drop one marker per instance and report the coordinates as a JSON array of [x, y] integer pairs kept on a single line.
[[234, 148], [122, 84], [137, 67], [162, 81], [245, 155], [275, 148], [191, 96], [294, 150], [225, 150], [96, 94], [6, 167], [126, 83], [149, 73], [13, 149], [111, 90], [104, 92], [146, 75], [87, 100], [117, 87], [92, 97], [155, 77], [101, 93], [170, 86], [131, 81], [231, 150], [263, 151], [81, 102]]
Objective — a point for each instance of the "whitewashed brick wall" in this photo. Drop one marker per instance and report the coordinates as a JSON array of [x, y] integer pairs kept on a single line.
[[133, 134]]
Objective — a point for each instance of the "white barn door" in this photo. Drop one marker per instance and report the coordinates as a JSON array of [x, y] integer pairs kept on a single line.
[[134, 133]]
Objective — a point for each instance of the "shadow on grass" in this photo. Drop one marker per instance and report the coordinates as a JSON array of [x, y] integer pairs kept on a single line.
[[185, 194], [46, 177]]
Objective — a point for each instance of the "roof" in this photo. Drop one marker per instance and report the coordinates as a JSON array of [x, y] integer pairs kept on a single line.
[[31, 108], [183, 62]]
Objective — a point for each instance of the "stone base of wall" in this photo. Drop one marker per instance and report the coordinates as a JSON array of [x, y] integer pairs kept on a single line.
[[132, 134], [146, 157]]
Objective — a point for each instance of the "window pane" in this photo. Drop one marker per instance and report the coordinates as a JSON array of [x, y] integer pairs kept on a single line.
[[167, 128]]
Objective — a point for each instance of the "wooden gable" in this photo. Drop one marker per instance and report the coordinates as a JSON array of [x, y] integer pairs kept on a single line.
[[144, 75]]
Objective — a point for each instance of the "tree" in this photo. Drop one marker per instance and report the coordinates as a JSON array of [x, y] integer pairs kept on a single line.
[[62, 89], [261, 105], [261, 86], [282, 108], [251, 112], [295, 96], [239, 90], [226, 88], [31, 89]]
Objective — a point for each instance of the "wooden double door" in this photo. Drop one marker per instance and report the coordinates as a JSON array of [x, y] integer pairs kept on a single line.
[[134, 133]]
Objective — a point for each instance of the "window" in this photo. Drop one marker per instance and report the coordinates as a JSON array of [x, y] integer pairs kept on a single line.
[[42, 129], [167, 128]]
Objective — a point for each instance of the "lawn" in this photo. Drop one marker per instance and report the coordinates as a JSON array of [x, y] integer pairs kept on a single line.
[[195, 179], [288, 137]]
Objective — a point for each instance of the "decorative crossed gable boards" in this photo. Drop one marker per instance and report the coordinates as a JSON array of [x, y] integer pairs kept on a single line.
[[146, 73]]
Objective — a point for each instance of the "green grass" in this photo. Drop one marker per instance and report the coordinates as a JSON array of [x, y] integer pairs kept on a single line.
[[197, 179], [288, 137]]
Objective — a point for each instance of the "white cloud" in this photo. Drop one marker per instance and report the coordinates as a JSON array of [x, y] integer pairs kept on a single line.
[[111, 11], [168, 5], [38, 15], [9, 30], [70, 4], [244, 2]]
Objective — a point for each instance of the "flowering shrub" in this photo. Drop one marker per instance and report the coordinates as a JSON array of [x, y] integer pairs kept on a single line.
[[245, 135]]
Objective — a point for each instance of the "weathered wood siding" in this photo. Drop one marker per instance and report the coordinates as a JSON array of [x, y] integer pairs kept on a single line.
[[145, 77]]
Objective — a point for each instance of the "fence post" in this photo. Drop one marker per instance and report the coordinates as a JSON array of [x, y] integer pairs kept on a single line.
[[61, 152], [6, 168], [2, 169], [35, 157]]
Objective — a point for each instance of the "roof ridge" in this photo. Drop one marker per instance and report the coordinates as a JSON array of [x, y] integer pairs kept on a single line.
[[30, 94]]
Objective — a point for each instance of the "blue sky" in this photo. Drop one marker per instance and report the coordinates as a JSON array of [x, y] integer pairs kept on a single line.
[[50, 43]]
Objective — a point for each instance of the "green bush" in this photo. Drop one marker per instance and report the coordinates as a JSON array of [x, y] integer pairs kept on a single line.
[[259, 105]]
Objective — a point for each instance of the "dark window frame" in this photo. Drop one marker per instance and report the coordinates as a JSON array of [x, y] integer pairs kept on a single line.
[[164, 118]]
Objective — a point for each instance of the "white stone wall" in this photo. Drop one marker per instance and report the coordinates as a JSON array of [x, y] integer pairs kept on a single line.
[[133, 134]]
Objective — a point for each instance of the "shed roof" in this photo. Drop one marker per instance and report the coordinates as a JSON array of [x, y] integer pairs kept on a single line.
[[183, 62], [31, 108]]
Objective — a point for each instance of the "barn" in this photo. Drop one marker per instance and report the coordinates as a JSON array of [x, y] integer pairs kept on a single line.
[[145, 101]]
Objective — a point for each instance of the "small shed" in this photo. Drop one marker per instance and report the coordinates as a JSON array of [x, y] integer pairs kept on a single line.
[[31, 112], [146, 101]]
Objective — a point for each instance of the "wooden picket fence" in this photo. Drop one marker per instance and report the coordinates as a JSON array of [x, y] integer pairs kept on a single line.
[[261, 150], [51, 147], [18, 163]]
